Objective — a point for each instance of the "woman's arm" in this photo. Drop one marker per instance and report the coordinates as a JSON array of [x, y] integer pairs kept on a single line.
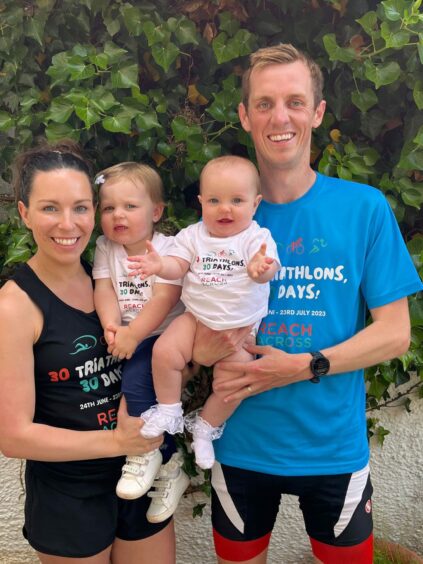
[[107, 306], [20, 326]]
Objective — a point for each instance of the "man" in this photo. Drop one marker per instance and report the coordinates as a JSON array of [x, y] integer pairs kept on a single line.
[[302, 430]]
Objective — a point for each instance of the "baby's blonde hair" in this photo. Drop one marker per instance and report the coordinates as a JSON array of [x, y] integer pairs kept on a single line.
[[139, 174], [232, 161]]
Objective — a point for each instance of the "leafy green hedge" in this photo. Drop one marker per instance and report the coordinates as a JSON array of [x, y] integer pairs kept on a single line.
[[160, 82]]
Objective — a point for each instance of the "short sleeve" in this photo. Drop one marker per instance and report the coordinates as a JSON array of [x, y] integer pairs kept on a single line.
[[183, 244], [389, 273], [101, 264]]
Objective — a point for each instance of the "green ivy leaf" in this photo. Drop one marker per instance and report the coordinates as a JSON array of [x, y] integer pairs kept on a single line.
[[418, 94], [181, 129], [155, 33], [394, 39], [228, 23], [377, 388], [244, 41], [79, 70], [165, 149], [336, 53], [197, 510], [222, 49], [412, 197], [102, 100], [101, 60], [113, 52], [58, 131], [364, 100], [6, 121], [118, 123], [112, 24], [164, 55], [382, 74], [358, 166], [17, 255], [394, 9], [368, 22], [411, 157], [147, 120], [186, 32], [87, 114], [133, 19], [35, 27], [59, 111], [125, 76]]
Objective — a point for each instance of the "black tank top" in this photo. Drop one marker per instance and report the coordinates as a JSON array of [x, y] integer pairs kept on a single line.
[[77, 384]]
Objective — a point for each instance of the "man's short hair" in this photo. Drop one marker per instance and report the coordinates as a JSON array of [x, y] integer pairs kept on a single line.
[[282, 54]]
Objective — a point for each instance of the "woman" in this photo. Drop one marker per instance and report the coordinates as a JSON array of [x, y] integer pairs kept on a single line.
[[59, 389]]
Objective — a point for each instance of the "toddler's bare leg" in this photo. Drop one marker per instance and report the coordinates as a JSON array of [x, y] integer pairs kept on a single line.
[[171, 353], [207, 425]]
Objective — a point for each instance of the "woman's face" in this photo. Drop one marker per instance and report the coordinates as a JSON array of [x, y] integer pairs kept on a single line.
[[60, 213]]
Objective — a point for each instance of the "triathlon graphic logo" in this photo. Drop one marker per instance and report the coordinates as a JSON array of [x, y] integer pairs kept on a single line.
[[84, 343]]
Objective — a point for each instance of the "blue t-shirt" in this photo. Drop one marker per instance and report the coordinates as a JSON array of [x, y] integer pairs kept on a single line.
[[341, 250]]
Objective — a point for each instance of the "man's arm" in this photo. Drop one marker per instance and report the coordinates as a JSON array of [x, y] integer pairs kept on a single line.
[[388, 336]]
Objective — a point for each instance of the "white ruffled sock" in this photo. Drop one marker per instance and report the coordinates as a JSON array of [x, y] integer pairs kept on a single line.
[[162, 417]]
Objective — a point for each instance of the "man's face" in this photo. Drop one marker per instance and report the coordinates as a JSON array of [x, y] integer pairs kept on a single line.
[[281, 114]]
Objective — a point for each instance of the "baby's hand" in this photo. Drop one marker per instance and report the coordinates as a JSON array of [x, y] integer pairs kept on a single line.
[[259, 264], [124, 343], [109, 333], [145, 265]]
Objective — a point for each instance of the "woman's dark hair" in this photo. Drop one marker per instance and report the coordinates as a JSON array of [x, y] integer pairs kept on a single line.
[[65, 154]]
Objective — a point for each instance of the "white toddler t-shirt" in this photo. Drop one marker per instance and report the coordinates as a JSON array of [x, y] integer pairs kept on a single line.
[[217, 289], [111, 261]]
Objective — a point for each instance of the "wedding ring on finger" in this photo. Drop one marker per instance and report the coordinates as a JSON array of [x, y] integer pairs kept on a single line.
[[250, 389]]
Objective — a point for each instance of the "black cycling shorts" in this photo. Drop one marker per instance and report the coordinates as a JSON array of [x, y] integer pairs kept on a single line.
[[245, 504], [60, 524]]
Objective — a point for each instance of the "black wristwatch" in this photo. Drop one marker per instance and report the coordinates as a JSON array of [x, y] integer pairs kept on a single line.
[[319, 366]]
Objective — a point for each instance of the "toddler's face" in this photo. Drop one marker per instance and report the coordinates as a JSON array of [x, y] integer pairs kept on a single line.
[[128, 214], [228, 199]]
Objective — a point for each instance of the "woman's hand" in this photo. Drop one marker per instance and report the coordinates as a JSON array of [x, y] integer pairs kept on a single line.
[[275, 368], [127, 434], [211, 346]]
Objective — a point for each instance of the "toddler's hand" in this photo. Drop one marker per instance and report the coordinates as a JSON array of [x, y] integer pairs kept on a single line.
[[145, 265], [124, 343], [260, 263]]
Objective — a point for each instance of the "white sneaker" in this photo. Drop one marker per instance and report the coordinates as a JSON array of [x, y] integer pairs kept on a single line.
[[170, 484], [138, 474]]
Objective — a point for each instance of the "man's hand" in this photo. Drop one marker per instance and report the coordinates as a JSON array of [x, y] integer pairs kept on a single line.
[[211, 346], [273, 369], [259, 264], [145, 265]]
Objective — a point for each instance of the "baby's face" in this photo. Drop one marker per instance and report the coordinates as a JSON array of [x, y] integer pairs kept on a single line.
[[127, 213], [229, 200]]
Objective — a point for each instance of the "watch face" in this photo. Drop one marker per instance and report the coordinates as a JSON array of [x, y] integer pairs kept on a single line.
[[321, 366]]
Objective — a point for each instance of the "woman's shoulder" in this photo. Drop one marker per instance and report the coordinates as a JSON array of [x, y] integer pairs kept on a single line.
[[16, 307]]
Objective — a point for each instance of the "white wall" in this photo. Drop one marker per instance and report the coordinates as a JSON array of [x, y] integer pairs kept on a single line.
[[397, 503]]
